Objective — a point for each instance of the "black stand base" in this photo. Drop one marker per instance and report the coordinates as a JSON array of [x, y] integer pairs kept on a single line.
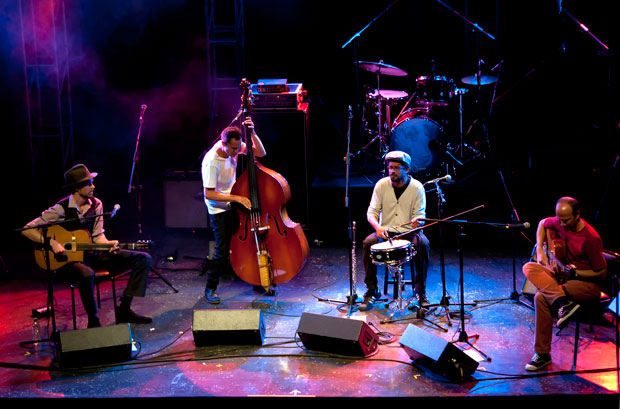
[[463, 338]]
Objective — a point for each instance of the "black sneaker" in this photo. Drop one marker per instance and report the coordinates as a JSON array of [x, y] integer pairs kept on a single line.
[[370, 298], [565, 312], [539, 361], [211, 296]]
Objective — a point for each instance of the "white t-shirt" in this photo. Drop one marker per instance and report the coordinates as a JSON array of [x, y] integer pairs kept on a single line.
[[220, 174]]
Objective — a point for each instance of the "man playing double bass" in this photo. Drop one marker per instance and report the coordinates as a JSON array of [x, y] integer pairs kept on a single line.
[[219, 170]]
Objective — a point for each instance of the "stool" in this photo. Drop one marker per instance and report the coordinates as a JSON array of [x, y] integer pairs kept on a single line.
[[388, 280]]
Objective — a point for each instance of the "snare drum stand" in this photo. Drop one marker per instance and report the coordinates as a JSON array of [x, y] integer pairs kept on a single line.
[[399, 304]]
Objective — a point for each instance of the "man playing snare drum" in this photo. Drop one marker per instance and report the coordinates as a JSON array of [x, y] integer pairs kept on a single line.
[[398, 202]]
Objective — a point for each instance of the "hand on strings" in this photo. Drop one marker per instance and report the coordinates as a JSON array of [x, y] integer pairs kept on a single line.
[[115, 248], [248, 123], [244, 201], [57, 248]]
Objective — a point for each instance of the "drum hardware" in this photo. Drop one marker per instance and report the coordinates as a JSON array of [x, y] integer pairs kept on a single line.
[[393, 254], [378, 99]]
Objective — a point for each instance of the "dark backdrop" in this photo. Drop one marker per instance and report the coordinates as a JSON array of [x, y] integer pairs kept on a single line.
[[553, 129]]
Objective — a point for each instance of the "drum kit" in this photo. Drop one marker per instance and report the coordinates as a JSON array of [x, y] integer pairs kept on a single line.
[[422, 123]]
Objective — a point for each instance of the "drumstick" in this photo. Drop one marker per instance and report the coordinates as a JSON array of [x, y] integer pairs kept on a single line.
[[435, 221]]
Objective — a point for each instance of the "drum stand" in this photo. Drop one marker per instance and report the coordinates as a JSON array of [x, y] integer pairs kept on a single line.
[[399, 304]]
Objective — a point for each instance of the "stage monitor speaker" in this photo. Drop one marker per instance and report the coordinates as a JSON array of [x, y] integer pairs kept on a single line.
[[184, 204], [342, 336], [437, 354], [94, 346], [228, 327]]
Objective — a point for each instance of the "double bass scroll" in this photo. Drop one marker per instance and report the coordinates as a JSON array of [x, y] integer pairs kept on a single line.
[[268, 248]]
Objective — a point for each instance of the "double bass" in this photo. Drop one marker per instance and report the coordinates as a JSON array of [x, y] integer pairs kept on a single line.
[[268, 248]]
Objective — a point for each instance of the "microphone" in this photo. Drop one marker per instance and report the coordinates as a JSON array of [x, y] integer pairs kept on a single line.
[[116, 206], [446, 178], [143, 108], [525, 225]]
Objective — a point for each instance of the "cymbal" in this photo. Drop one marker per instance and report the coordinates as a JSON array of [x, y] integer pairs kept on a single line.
[[382, 68], [473, 79]]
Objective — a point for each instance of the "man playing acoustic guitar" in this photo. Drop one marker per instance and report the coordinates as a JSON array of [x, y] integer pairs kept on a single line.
[[563, 283], [76, 211]]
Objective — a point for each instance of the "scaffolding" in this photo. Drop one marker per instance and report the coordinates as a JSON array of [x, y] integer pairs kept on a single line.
[[226, 59], [45, 51]]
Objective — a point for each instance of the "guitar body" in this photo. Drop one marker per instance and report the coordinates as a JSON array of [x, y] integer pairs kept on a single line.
[[75, 242], [557, 253]]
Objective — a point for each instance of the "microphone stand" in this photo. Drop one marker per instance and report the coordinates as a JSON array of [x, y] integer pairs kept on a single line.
[[138, 188], [138, 191], [445, 299], [352, 299], [463, 337]]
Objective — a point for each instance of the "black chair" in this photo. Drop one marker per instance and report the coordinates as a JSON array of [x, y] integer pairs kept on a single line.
[[591, 312], [101, 275]]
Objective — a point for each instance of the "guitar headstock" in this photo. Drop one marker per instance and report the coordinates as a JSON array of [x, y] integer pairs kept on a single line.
[[143, 244]]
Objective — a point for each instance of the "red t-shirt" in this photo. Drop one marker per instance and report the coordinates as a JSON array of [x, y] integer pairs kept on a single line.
[[584, 248]]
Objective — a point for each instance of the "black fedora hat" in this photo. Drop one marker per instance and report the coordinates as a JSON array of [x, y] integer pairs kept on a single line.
[[78, 174]]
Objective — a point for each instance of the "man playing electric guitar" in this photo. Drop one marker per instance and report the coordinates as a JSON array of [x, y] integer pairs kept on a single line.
[[557, 290], [75, 211]]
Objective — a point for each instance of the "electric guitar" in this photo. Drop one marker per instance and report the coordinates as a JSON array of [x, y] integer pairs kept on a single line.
[[75, 243]]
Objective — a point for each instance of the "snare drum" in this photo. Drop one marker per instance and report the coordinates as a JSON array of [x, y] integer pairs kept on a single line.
[[397, 252]]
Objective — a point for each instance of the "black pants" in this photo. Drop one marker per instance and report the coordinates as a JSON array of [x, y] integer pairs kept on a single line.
[[224, 224], [420, 260], [138, 263]]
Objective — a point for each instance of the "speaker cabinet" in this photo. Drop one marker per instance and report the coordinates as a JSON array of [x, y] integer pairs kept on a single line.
[[285, 134], [436, 353], [228, 327], [337, 335], [184, 201], [93, 346]]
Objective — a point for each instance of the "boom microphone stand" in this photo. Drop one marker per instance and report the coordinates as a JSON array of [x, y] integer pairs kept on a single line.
[[138, 191], [463, 337]]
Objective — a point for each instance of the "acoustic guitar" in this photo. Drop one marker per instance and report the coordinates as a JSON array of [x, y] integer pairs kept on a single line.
[[556, 253], [75, 243]]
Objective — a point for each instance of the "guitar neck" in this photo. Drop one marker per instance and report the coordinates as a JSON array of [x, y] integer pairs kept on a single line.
[[103, 246]]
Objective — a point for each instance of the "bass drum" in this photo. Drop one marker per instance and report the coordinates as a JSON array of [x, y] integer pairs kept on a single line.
[[417, 133]]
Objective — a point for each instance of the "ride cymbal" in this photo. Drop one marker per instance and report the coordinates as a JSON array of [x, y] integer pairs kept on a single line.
[[382, 68], [473, 79]]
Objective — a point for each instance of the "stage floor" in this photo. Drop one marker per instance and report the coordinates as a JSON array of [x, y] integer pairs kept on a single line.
[[170, 365]]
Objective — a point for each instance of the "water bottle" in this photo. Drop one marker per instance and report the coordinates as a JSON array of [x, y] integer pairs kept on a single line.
[[36, 333]]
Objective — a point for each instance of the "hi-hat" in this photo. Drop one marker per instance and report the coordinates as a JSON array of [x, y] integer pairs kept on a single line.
[[382, 68], [484, 79]]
